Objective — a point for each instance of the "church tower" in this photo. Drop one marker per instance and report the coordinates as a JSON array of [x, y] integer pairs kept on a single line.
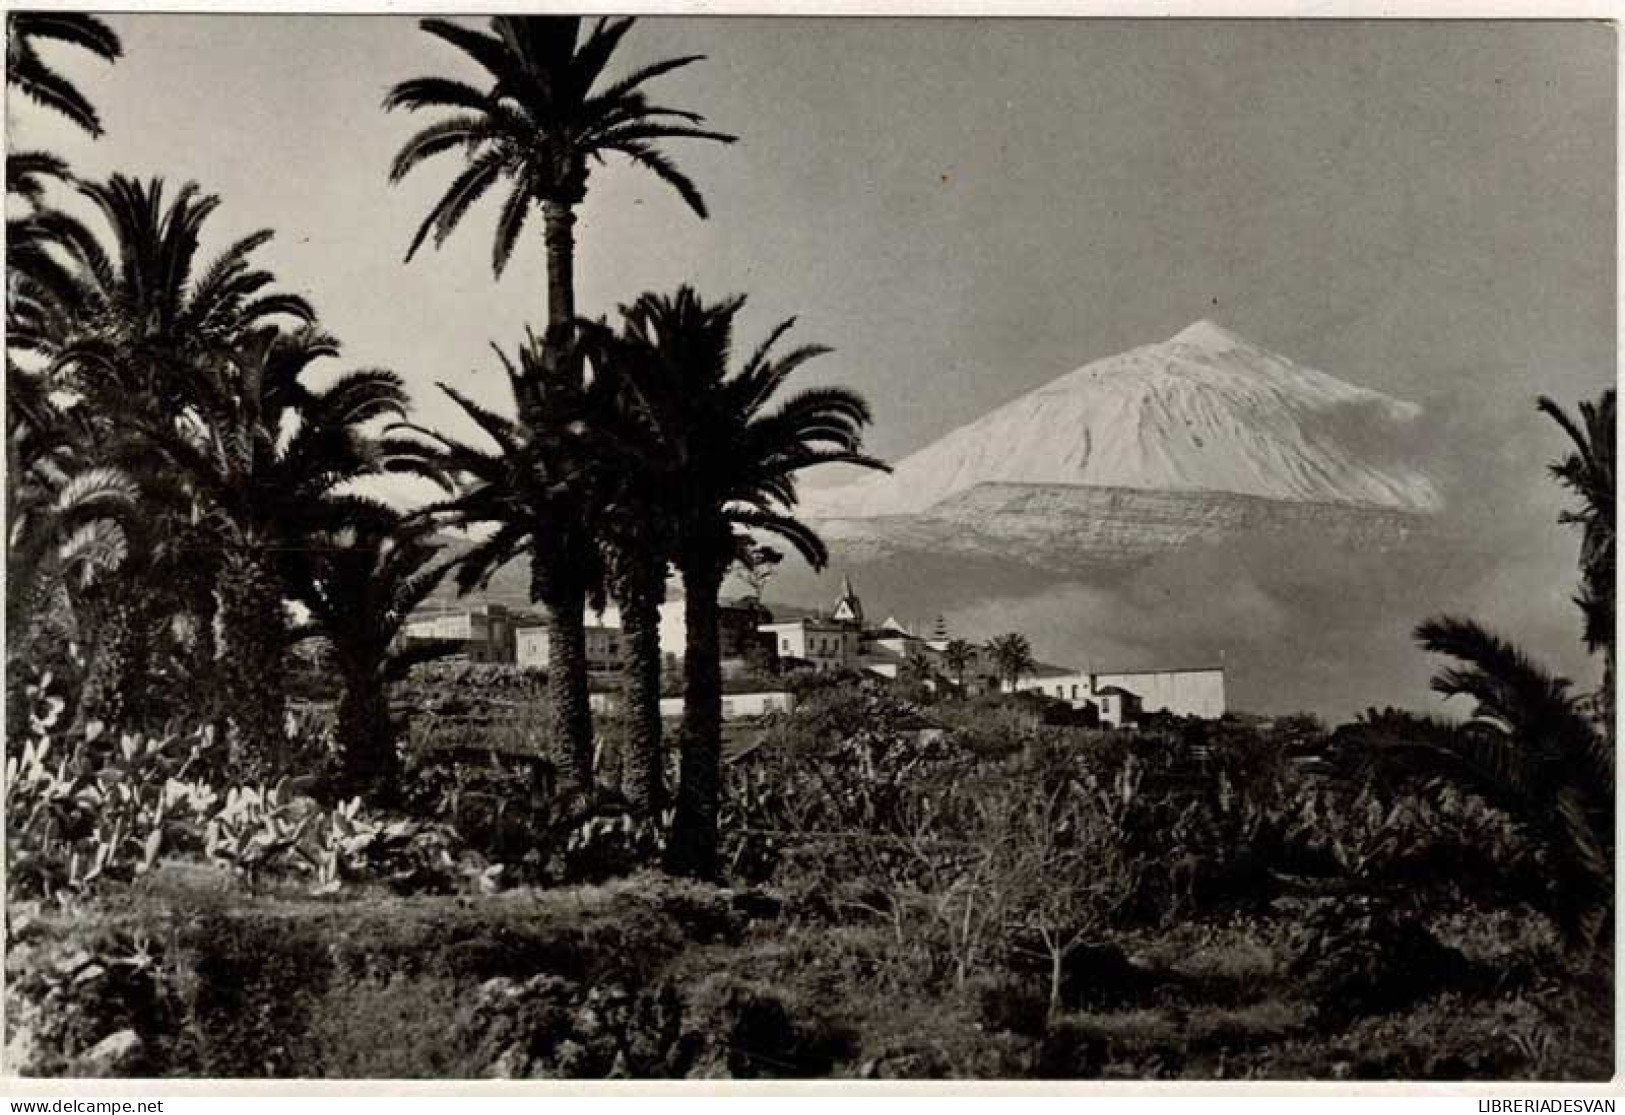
[[848, 609]]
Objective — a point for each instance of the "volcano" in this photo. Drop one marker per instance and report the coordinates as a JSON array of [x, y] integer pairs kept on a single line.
[[1203, 437]]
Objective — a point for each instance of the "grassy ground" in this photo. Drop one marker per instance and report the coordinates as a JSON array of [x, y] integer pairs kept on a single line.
[[649, 977]]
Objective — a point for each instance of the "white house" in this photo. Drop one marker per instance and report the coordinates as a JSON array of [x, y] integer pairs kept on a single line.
[[1192, 692], [1121, 697], [824, 643], [736, 628], [1115, 706]]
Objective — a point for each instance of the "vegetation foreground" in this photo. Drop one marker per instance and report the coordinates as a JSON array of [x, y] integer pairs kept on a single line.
[[1193, 901]]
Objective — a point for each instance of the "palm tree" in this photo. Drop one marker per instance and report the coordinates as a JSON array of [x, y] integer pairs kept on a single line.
[[270, 459], [360, 584], [34, 274], [32, 76], [540, 115], [68, 521], [1533, 752], [1587, 471], [36, 280], [134, 326], [957, 656], [537, 489], [145, 312], [1012, 656], [730, 461], [637, 540]]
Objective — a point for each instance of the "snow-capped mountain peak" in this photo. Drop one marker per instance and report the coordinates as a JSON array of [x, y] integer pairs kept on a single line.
[[1208, 335], [1204, 411]]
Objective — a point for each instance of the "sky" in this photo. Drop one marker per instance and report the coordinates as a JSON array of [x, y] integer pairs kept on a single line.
[[967, 209]]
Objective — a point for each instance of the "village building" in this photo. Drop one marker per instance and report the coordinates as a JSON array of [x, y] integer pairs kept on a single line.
[[487, 633], [749, 704], [848, 609], [604, 648], [1197, 691], [980, 674], [814, 643], [493, 633], [753, 644], [1121, 698], [839, 641]]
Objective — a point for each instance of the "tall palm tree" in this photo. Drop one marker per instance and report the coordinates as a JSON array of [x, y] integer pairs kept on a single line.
[[636, 534], [540, 114], [957, 656], [360, 584], [1533, 752], [1012, 656], [1587, 471], [730, 452], [537, 490], [271, 459], [32, 76], [134, 326], [637, 539]]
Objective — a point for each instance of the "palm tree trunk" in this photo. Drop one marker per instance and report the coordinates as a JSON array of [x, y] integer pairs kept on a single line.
[[693, 848], [118, 686], [370, 764], [570, 715], [559, 220], [640, 620], [253, 670]]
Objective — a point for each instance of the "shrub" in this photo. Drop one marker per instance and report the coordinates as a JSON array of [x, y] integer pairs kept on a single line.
[[742, 1030], [1007, 1003], [65, 995], [502, 805], [1359, 955]]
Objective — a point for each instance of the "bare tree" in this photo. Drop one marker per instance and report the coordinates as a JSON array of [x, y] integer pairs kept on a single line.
[[1063, 875]]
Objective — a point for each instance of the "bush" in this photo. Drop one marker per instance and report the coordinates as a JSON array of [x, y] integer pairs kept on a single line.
[[1359, 955], [67, 996], [505, 806], [1007, 1003], [741, 1030]]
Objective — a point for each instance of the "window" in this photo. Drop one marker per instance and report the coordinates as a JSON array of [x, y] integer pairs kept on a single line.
[[1074, 693]]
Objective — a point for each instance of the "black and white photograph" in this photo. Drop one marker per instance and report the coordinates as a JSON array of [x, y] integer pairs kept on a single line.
[[642, 547]]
